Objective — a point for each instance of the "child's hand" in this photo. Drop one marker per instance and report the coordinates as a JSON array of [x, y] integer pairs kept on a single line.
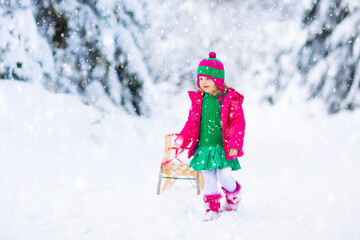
[[233, 152]]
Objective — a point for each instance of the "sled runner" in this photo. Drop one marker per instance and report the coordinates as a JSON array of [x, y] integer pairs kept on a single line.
[[174, 168]]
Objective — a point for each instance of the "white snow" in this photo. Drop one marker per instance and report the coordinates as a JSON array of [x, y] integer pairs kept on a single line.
[[70, 171]]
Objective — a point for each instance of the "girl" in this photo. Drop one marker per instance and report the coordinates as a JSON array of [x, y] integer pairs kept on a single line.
[[215, 127]]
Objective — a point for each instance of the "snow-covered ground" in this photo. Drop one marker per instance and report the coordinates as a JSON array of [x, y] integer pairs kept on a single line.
[[71, 171]]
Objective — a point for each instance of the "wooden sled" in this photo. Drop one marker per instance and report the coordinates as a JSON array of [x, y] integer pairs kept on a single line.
[[173, 168]]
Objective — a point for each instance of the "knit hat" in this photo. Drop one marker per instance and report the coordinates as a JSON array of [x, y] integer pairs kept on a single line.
[[212, 68]]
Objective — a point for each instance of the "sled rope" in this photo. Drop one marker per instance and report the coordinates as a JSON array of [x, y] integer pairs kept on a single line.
[[163, 164]]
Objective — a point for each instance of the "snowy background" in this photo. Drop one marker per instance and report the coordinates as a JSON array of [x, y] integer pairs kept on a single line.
[[88, 90]]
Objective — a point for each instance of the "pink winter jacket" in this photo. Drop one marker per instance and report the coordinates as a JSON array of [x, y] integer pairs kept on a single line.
[[232, 121]]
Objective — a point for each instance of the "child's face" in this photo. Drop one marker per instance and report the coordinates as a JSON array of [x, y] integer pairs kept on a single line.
[[208, 85]]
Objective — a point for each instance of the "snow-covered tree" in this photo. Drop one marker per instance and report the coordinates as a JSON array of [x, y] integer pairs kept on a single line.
[[24, 54], [330, 58], [91, 47], [97, 48]]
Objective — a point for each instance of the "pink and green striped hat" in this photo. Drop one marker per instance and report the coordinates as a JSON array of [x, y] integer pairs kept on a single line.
[[212, 68]]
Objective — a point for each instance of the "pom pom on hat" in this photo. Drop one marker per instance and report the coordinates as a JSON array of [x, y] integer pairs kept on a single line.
[[212, 55]]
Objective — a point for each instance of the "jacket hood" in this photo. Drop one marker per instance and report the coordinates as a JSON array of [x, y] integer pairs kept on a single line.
[[194, 95], [234, 94]]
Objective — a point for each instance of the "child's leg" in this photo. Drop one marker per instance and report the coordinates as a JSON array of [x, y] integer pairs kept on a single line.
[[210, 182], [225, 179], [231, 189], [211, 196]]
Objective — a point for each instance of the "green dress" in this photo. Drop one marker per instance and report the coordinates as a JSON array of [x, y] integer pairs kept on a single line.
[[210, 153]]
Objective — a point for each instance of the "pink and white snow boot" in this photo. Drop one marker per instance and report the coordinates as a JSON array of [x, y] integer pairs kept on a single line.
[[232, 199], [212, 206]]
